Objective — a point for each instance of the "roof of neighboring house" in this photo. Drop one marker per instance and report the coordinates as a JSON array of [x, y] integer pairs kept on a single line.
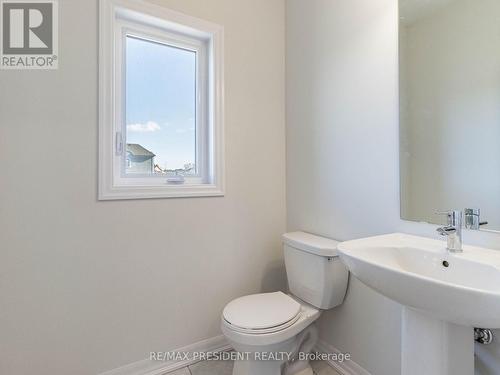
[[138, 150]]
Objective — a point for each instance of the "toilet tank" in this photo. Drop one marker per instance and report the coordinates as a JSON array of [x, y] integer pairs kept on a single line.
[[314, 271]]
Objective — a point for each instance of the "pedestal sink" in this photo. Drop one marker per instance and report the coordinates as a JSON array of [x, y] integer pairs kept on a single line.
[[444, 295]]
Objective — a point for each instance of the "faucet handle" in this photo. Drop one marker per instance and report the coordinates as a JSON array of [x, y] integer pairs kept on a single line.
[[442, 213], [446, 231], [454, 217], [446, 212]]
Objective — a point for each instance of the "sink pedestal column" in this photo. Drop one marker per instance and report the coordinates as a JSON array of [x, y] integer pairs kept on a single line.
[[435, 347]]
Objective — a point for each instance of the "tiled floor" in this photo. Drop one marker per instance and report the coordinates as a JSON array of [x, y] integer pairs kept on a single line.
[[226, 368]]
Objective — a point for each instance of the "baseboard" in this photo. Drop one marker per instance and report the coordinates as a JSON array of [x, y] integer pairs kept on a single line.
[[219, 344], [148, 367], [344, 368]]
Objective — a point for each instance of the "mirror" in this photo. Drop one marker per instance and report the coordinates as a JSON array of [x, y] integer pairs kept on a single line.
[[449, 77]]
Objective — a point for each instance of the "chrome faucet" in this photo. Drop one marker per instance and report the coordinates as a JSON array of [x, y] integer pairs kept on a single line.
[[452, 231]]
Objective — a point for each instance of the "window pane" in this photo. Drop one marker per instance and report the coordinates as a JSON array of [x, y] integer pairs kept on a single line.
[[160, 109]]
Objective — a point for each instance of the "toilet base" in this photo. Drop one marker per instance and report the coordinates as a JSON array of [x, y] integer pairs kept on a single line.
[[287, 354], [254, 367], [266, 368], [306, 371]]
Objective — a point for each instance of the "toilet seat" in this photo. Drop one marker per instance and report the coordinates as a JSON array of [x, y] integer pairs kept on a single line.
[[265, 330], [262, 313], [258, 338]]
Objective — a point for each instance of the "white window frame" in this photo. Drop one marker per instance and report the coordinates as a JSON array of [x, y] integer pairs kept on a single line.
[[122, 18]]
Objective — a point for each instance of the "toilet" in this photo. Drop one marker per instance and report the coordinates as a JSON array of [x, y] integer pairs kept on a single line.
[[269, 330]]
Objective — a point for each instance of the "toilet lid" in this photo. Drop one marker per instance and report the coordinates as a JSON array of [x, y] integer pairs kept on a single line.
[[261, 311]]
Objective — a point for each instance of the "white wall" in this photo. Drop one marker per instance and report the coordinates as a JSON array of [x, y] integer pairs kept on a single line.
[[450, 75], [87, 286], [342, 154]]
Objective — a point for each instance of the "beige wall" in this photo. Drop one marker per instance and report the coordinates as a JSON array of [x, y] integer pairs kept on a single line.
[[87, 286]]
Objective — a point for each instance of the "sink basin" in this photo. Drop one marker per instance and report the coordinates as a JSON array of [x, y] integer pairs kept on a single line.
[[444, 294], [409, 269]]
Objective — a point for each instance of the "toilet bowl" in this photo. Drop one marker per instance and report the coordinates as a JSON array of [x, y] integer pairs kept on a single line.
[[270, 330]]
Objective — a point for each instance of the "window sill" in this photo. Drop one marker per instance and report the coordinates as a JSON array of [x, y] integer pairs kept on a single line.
[[155, 192]]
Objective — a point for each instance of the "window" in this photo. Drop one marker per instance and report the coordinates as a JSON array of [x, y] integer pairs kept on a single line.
[[161, 114], [160, 108]]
